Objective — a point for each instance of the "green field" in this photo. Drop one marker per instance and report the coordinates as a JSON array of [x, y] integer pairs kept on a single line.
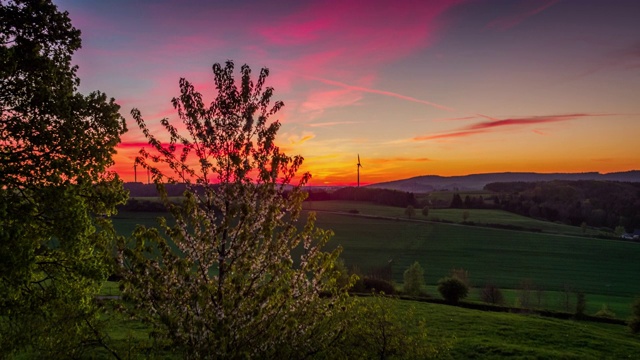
[[474, 334], [477, 216], [606, 270], [470, 334]]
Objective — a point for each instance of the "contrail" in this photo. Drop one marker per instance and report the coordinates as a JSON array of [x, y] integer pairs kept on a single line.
[[379, 92]]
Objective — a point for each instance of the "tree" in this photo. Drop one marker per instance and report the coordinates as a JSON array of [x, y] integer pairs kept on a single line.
[[456, 201], [492, 294], [234, 277], [414, 280], [377, 331], [465, 216], [452, 289], [55, 148], [410, 211], [425, 211]]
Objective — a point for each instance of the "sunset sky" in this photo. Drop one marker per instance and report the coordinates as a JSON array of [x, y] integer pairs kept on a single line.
[[448, 87]]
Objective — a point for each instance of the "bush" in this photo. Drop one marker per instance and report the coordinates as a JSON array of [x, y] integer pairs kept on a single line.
[[452, 289], [604, 312], [491, 294], [378, 286], [414, 280]]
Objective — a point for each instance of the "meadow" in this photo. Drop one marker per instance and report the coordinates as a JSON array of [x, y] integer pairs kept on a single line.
[[465, 334], [606, 270]]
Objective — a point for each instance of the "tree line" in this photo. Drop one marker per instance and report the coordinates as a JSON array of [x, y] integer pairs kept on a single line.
[[592, 203], [378, 196]]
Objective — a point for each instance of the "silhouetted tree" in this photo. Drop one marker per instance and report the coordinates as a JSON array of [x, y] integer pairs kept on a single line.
[[55, 148], [456, 202]]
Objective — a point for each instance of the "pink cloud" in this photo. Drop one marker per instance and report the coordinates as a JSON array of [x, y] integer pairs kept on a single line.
[[352, 36], [487, 126], [523, 121], [446, 136], [528, 9]]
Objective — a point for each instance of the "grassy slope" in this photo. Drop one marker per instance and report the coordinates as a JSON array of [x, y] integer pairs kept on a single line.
[[474, 334], [480, 335]]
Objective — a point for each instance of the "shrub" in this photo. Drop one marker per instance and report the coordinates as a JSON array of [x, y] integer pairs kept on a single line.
[[378, 286], [604, 312], [414, 280], [491, 294], [425, 211], [452, 289]]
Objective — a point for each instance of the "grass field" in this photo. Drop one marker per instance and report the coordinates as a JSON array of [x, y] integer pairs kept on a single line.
[[470, 334], [605, 270], [477, 334], [477, 216]]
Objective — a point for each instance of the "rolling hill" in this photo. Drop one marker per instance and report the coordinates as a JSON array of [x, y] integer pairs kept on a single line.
[[421, 184]]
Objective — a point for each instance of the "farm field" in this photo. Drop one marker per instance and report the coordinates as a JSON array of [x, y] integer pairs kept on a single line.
[[606, 270], [477, 216]]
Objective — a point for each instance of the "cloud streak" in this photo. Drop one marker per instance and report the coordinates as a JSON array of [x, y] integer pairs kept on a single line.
[[379, 92], [488, 126], [507, 22], [333, 123]]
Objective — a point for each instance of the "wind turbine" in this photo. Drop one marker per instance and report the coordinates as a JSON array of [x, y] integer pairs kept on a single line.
[[135, 172], [359, 166]]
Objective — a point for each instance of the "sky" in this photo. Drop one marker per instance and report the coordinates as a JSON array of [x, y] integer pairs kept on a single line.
[[449, 87]]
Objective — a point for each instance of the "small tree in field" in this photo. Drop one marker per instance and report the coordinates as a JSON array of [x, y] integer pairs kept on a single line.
[[425, 211], [236, 279], [410, 211], [414, 280], [452, 289], [492, 294]]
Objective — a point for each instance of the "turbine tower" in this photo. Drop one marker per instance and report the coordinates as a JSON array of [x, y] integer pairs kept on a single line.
[[135, 172], [359, 166]]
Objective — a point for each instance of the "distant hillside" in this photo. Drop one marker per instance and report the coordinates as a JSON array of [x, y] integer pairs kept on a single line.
[[422, 184]]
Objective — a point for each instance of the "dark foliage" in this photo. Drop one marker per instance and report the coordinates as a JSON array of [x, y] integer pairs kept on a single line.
[[376, 285], [452, 289], [378, 196], [596, 203]]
